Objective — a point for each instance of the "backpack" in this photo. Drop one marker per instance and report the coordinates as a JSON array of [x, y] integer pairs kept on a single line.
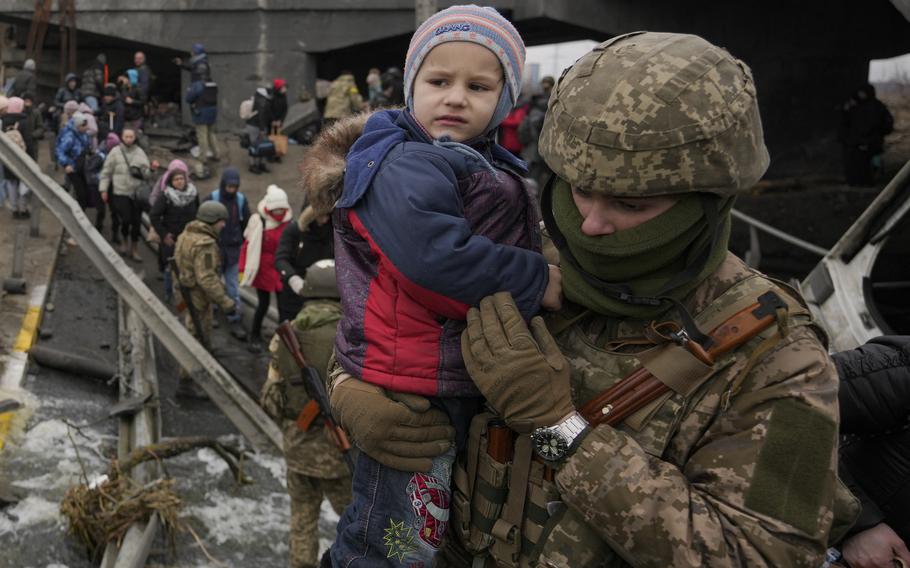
[[246, 109], [13, 134]]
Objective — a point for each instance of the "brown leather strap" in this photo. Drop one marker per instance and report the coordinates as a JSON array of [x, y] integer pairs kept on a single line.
[[641, 387]]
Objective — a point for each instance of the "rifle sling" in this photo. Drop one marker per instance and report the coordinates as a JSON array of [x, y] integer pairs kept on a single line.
[[670, 367]]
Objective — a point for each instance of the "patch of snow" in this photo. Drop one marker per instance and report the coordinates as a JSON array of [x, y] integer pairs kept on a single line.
[[214, 465], [27, 513], [242, 520]]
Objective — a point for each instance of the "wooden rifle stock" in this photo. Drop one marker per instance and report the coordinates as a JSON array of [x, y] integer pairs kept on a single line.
[[316, 389], [639, 388]]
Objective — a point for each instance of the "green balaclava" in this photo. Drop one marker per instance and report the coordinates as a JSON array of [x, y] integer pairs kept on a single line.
[[665, 257]]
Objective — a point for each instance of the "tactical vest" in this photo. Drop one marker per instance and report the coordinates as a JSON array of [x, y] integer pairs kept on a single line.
[[508, 512]]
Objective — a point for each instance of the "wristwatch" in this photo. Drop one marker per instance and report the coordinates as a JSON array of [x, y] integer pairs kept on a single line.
[[555, 443]]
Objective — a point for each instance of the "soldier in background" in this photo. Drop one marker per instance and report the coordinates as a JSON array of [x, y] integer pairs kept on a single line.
[[344, 99], [315, 468], [650, 137], [199, 263]]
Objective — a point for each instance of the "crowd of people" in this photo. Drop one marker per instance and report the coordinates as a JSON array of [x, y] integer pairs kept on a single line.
[[527, 316]]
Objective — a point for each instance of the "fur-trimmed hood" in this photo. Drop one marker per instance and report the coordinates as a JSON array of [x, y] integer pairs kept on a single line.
[[322, 168]]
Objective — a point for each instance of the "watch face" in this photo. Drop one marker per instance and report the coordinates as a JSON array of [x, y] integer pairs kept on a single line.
[[550, 445]]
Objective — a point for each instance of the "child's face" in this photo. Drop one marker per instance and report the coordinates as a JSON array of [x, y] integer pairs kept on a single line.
[[456, 90]]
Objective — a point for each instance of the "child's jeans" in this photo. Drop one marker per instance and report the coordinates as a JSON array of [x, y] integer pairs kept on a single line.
[[399, 518]]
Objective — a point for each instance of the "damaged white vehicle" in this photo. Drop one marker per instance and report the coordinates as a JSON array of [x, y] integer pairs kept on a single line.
[[861, 288]]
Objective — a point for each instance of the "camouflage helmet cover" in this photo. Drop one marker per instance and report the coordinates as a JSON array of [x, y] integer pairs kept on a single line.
[[320, 280], [655, 114], [211, 212]]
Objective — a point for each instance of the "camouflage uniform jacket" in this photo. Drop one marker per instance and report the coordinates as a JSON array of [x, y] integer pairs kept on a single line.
[[199, 261], [344, 99], [309, 453], [742, 472]]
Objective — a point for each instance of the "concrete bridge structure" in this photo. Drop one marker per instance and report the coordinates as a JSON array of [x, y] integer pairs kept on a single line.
[[807, 56]]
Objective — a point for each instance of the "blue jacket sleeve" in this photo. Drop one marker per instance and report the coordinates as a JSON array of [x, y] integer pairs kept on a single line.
[[414, 215], [63, 147]]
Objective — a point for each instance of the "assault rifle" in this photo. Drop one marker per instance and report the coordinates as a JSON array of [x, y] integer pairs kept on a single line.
[[316, 389]]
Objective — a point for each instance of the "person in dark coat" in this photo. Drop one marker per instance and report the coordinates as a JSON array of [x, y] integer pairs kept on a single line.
[[93, 81], [302, 243], [170, 215], [25, 81], [874, 399], [198, 65], [69, 91], [133, 99], [202, 96], [230, 240], [35, 125], [257, 127], [111, 113], [144, 76], [865, 121]]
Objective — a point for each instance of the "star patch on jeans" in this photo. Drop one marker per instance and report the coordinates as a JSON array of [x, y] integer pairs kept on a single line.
[[399, 540]]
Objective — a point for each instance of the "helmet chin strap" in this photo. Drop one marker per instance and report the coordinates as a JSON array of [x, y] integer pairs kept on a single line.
[[623, 292]]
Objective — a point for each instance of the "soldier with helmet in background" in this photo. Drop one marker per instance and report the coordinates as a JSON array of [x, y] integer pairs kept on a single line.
[[198, 272], [315, 467], [731, 459]]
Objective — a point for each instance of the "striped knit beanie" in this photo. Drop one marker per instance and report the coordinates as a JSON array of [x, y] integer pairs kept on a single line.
[[476, 24]]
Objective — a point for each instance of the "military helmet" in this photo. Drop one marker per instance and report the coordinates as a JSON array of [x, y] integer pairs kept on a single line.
[[655, 114], [319, 281], [211, 212]]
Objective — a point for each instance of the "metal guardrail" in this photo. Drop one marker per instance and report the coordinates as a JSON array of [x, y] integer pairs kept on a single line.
[[234, 402], [786, 237], [138, 375]]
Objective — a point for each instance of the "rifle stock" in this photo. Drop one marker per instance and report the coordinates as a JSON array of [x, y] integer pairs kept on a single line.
[[316, 389]]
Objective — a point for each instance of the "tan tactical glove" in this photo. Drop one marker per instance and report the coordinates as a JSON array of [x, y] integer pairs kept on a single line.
[[404, 433], [522, 373]]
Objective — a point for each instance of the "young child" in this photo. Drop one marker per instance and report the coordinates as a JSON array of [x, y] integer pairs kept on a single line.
[[433, 217]]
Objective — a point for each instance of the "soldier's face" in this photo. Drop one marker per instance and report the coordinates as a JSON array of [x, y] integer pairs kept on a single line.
[[219, 225], [605, 215], [456, 90]]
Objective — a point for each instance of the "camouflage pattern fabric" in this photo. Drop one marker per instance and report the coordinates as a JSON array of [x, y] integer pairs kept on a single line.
[[715, 480], [306, 499], [655, 114], [315, 468], [199, 262], [309, 453], [741, 472], [344, 99]]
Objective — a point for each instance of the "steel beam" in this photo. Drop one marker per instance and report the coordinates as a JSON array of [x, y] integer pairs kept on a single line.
[[234, 402]]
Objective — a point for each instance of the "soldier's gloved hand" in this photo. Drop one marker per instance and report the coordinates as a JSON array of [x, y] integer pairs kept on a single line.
[[403, 434], [521, 372], [296, 284]]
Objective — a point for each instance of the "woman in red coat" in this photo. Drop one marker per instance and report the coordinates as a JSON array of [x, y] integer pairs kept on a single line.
[[257, 256]]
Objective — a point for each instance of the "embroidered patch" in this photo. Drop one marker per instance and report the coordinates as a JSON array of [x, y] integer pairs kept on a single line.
[[430, 499], [209, 263], [398, 540]]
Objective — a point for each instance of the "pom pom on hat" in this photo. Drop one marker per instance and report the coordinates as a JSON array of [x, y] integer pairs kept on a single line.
[[275, 198]]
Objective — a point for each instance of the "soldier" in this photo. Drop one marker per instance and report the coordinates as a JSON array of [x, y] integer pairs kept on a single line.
[[314, 464], [199, 263], [650, 137]]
